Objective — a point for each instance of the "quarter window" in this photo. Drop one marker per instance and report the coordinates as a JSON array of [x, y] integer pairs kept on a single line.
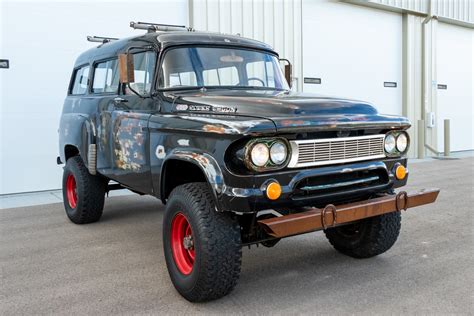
[[106, 77], [81, 80]]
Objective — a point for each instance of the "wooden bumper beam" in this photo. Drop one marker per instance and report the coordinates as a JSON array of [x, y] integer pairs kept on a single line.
[[330, 216]]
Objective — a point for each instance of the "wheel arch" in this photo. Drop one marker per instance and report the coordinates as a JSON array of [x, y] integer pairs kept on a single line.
[[77, 134], [191, 166]]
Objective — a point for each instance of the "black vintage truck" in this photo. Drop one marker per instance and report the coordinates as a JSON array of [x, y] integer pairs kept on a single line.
[[207, 123]]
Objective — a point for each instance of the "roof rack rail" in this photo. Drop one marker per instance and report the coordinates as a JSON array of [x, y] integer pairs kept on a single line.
[[101, 39], [154, 27]]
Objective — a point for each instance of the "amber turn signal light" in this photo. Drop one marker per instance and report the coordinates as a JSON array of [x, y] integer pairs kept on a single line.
[[273, 190], [400, 172]]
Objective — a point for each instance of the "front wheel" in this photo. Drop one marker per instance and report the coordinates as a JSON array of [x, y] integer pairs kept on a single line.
[[202, 247], [368, 237]]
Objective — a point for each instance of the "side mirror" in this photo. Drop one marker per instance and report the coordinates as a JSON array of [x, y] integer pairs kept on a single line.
[[126, 68], [288, 70]]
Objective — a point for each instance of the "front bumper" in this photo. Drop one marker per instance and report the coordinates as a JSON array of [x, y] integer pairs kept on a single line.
[[332, 216], [314, 187]]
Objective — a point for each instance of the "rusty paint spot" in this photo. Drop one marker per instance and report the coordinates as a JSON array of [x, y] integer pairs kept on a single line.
[[214, 129]]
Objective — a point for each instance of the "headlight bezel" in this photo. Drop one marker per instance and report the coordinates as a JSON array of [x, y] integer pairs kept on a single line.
[[396, 152], [268, 142]]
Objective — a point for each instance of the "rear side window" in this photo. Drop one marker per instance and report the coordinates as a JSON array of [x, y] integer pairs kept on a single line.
[[106, 77], [81, 80]]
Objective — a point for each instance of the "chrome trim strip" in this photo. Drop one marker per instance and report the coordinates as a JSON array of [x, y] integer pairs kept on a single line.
[[339, 151]]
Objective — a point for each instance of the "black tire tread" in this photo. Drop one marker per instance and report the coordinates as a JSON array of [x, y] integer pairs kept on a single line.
[[380, 234], [90, 204], [220, 245]]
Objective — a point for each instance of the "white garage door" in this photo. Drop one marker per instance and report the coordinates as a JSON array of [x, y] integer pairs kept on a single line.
[[353, 50], [42, 40], [456, 85]]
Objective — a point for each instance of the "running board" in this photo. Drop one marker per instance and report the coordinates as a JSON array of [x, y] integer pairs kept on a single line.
[[331, 216]]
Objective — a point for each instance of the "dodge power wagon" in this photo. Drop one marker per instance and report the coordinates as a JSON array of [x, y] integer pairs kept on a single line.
[[208, 124]]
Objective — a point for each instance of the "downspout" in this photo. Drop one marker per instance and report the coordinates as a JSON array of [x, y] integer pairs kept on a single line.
[[429, 87]]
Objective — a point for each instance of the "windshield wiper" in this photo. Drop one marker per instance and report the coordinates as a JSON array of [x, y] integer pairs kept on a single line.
[[245, 88], [182, 88]]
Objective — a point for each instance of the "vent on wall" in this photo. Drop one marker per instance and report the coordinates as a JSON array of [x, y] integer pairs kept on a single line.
[[390, 84]]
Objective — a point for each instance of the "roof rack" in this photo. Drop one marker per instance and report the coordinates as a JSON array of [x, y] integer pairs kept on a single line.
[[154, 27], [101, 39]]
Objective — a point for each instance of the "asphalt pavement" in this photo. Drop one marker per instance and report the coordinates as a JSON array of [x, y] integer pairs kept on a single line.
[[116, 266]]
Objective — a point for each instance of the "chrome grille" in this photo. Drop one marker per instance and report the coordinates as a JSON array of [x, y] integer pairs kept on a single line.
[[318, 152]]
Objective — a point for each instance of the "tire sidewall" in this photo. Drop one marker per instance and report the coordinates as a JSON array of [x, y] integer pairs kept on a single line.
[[184, 283], [72, 168]]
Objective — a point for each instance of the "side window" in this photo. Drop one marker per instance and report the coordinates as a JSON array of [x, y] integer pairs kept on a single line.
[[106, 77], [81, 80], [144, 67]]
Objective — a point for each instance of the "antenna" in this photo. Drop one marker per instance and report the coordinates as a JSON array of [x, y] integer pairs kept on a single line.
[[101, 39], [154, 27]]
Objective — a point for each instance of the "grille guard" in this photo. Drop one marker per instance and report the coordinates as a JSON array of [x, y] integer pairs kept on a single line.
[[316, 219]]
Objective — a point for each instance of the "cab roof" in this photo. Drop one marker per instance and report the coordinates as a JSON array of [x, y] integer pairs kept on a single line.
[[162, 40]]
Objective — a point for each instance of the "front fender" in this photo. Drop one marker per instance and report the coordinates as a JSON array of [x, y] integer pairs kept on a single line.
[[206, 163]]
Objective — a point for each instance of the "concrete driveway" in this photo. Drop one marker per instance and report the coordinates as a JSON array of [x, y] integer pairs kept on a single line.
[[50, 265]]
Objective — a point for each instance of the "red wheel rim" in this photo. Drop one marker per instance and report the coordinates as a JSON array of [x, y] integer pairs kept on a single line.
[[71, 191], [182, 243]]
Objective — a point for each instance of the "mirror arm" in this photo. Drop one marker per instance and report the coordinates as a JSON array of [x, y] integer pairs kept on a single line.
[[288, 71]]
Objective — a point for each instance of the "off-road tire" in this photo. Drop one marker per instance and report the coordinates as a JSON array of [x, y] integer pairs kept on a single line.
[[89, 192], [367, 238], [217, 247]]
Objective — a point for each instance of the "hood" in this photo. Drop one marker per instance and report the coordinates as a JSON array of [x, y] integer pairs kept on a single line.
[[288, 111]]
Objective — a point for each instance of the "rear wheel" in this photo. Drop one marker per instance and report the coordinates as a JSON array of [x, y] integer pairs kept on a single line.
[[83, 193], [368, 237], [202, 246]]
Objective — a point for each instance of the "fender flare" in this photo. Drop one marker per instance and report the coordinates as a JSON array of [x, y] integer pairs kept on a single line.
[[81, 134], [206, 163]]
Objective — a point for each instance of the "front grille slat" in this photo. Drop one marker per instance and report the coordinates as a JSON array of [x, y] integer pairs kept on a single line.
[[336, 150]]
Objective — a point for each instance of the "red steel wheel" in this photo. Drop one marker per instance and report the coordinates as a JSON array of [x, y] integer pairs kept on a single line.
[[182, 244], [71, 191]]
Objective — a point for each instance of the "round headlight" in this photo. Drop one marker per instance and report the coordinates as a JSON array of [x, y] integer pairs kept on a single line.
[[402, 142], [390, 143], [278, 153], [259, 155]]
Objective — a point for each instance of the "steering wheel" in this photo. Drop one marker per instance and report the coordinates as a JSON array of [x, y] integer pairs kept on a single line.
[[257, 79]]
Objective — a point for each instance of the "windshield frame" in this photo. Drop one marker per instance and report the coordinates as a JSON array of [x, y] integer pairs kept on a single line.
[[165, 50]]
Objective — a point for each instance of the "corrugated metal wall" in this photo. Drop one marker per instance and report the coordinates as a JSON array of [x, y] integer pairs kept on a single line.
[[275, 22], [411, 5], [459, 10]]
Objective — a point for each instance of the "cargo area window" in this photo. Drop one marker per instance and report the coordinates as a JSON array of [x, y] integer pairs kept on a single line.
[[81, 80], [106, 77]]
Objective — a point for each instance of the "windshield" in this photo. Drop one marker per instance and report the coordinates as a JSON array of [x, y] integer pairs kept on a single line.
[[221, 67]]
